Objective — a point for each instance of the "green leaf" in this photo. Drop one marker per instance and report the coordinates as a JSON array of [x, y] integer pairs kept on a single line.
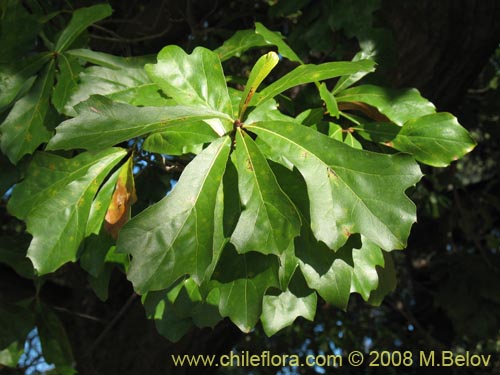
[[56, 348], [330, 101], [329, 273], [100, 205], [239, 284], [195, 79], [180, 140], [348, 80], [18, 31], [15, 324], [47, 176], [81, 19], [288, 266], [100, 283], [338, 133], [387, 281], [276, 39], [110, 61], [269, 220], [95, 249], [13, 253], [281, 311], [259, 72], [312, 73], [10, 356], [24, 128], [67, 81], [436, 139], [240, 42], [398, 105], [350, 191], [175, 311], [366, 258], [129, 85], [102, 123], [13, 77], [381, 132], [316, 258], [55, 201], [175, 236], [170, 312], [267, 111]]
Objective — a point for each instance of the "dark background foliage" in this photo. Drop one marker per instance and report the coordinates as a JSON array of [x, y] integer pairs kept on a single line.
[[447, 295]]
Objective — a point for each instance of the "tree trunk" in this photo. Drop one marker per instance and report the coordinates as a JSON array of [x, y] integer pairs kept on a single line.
[[442, 45]]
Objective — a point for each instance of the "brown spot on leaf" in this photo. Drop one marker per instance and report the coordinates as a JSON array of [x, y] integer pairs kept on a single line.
[[249, 165], [331, 173], [346, 231]]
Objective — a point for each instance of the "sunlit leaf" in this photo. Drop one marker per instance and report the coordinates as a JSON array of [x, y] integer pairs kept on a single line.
[[195, 79], [175, 236], [350, 191], [125, 84], [436, 139], [398, 105], [180, 140], [312, 73], [102, 123], [281, 311], [55, 200], [272, 217]]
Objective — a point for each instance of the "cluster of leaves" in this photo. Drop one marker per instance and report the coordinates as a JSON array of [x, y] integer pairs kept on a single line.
[[272, 210]]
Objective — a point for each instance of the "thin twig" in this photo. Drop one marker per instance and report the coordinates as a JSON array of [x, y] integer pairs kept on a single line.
[[400, 307], [81, 315], [120, 39], [113, 322]]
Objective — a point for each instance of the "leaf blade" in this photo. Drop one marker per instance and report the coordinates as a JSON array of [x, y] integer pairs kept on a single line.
[[58, 221], [24, 128], [239, 284], [195, 79], [355, 191], [102, 123], [436, 139], [398, 105], [170, 239], [81, 19], [313, 73], [276, 39], [269, 220], [281, 311]]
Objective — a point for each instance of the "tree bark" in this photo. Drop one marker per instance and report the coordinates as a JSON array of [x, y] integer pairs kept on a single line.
[[442, 45]]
